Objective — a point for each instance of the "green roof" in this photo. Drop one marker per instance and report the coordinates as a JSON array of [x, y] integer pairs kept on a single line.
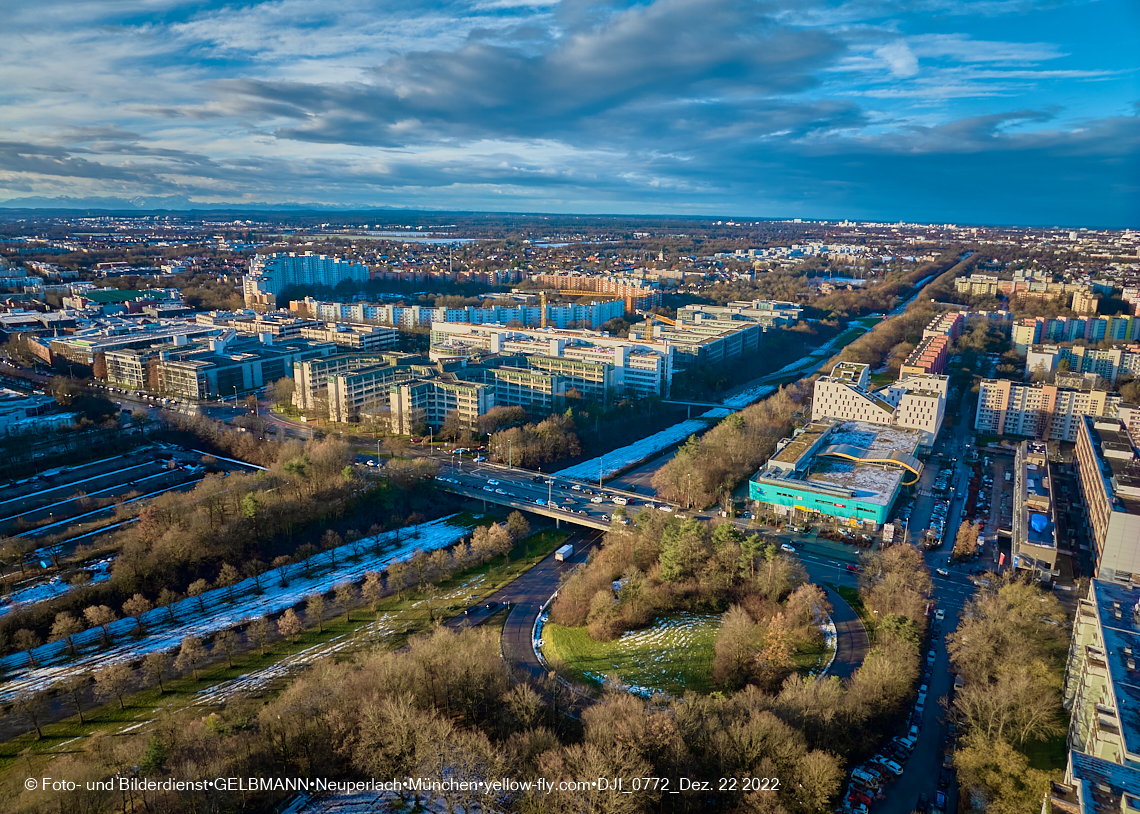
[[113, 295]]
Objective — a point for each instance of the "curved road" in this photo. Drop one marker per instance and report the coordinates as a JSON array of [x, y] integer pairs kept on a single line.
[[529, 593]]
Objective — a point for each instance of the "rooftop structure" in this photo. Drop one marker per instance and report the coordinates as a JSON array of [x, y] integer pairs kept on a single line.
[[1034, 512], [916, 401], [1094, 786], [848, 470], [641, 367], [84, 346], [1102, 690], [1108, 472]]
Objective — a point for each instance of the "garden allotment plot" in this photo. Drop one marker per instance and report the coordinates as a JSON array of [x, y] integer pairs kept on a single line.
[[672, 655]]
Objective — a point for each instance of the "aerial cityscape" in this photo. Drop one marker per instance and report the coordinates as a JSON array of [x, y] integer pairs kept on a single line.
[[557, 407]]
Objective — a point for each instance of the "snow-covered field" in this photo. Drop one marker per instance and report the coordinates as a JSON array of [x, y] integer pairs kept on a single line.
[[56, 663], [51, 588], [649, 657], [635, 453], [260, 679], [748, 396]]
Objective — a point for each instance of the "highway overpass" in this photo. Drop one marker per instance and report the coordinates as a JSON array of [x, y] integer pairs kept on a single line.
[[523, 489]]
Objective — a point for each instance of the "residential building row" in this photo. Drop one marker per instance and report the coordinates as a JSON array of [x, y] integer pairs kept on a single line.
[[1038, 330], [410, 393], [929, 356], [557, 315], [1102, 695], [270, 274], [1108, 363], [1046, 412], [637, 293]]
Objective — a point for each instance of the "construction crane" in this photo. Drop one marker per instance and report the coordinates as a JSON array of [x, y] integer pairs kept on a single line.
[[651, 317]]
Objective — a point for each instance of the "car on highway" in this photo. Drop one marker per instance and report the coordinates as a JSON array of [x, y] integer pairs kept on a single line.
[[492, 481], [942, 572], [488, 488], [621, 501], [665, 508], [851, 567], [786, 547], [541, 501], [940, 614]]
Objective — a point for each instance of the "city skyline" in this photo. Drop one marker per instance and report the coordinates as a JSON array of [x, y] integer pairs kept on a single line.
[[994, 111]]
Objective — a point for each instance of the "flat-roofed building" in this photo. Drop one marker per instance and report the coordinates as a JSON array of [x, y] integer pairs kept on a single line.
[[358, 338], [426, 403], [1034, 512], [641, 367], [228, 365], [1108, 472], [1092, 785], [1102, 686], [851, 471], [1042, 411]]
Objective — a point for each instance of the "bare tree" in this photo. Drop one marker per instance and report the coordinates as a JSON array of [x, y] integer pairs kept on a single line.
[[114, 682], [64, 628], [74, 687], [167, 599], [373, 590], [136, 607], [259, 633], [228, 577], [289, 625], [100, 616], [197, 589], [33, 707], [226, 641], [190, 655], [155, 666], [346, 594], [315, 609], [27, 641]]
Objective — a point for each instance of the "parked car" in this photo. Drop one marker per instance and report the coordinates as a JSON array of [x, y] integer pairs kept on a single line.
[[923, 804]]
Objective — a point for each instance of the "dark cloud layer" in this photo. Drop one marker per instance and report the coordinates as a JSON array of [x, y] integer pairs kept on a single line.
[[764, 108]]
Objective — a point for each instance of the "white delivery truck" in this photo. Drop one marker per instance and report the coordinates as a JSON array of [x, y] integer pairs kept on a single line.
[[564, 553]]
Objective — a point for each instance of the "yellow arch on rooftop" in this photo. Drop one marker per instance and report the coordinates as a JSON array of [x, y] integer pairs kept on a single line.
[[895, 458]]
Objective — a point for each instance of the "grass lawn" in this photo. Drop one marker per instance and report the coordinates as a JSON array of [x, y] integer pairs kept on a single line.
[[672, 655], [851, 597], [811, 658], [882, 378], [1052, 754], [399, 618]]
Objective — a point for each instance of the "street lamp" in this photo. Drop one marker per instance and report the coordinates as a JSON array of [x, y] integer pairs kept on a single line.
[[235, 395]]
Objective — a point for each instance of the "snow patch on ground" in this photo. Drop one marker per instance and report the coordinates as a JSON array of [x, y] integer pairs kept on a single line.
[[748, 396], [215, 612], [53, 587], [605, 466], [258, 680]]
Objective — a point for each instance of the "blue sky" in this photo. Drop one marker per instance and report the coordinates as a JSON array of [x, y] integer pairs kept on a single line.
[[969, 111]]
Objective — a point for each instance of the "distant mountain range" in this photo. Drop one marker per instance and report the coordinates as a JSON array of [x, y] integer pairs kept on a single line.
[[173, 203]]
